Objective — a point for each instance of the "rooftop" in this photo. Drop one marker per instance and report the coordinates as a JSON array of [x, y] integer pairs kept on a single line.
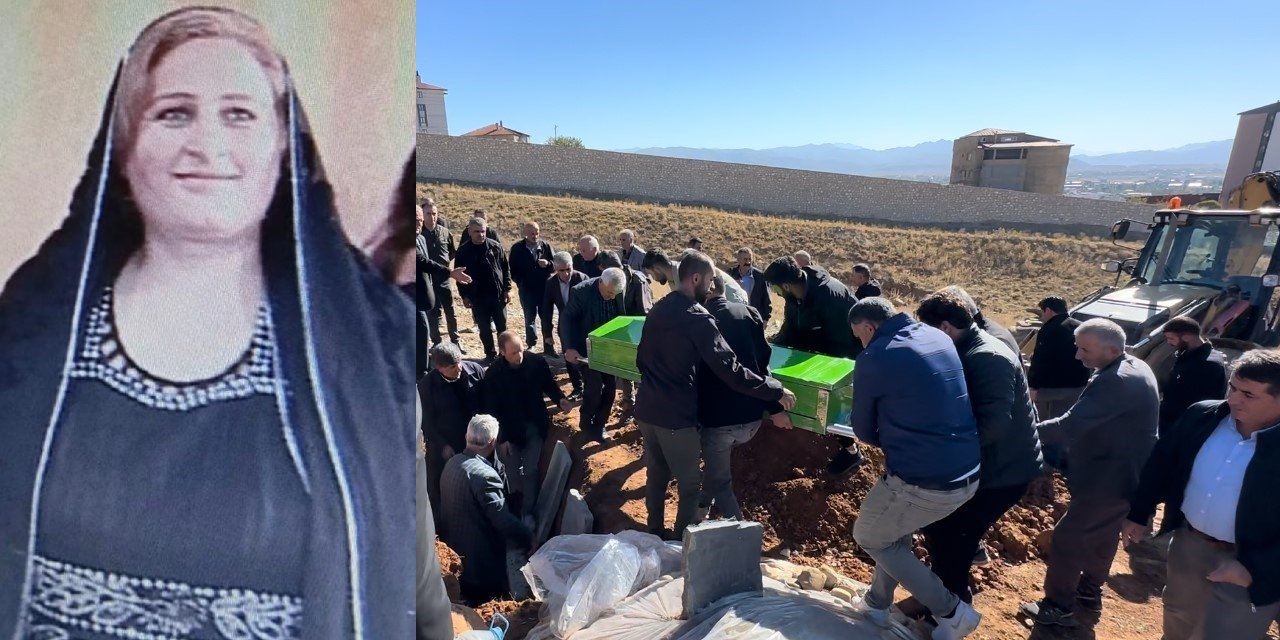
[[1019, 145], [1271, 108], [990, 132], [495, 129]]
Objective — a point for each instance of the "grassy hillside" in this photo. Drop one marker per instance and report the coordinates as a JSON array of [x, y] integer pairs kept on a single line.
[[1007, 271]]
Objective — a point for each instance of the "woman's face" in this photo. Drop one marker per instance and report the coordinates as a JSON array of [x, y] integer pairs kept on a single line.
[[206, 156]]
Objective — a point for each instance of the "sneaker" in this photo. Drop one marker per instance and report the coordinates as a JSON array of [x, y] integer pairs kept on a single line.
[[980, 557], [844, 462], [1047, 612], [962, 622], [701, 514], [1089, 597], [878, 617]]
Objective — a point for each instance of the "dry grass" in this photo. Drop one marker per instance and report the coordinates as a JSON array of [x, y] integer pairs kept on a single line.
[[1007, 271]]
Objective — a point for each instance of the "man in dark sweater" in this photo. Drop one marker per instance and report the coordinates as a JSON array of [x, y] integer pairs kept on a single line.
[[1199, 371], [592, 303], [586, 260], [815, 319], [727, 418], [490, 289], [864, 286], [1216, 471], [678, 337], [913, 403], [1056, 376], [752, 281], [516, 387], [530, 261], [451, 395], [440, 249], [1006, 434]]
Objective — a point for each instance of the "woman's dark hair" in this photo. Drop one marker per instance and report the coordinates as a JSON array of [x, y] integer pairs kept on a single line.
[[1260, 365], [944, 306], [783, 271]]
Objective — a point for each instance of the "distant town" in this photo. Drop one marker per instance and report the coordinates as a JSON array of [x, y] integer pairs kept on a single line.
[[992, 158]]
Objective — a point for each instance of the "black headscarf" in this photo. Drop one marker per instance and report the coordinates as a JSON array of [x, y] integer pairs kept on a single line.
[[344, 353]]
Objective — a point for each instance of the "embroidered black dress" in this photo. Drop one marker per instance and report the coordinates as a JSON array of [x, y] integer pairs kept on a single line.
[[117, 556]]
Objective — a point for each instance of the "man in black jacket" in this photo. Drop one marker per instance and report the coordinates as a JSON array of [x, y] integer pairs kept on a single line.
[[992, 327], [440, 250], [1199, 371], [554, 298], [752, 281], [1006, 431], [489, 231], [679, 336], [1056, 376], [515, 386], [815, 319], [592, 303], [726, 417], [586, 260], [530, 261], [451, 395], [490, 289], [1217, 471], [864, 286]]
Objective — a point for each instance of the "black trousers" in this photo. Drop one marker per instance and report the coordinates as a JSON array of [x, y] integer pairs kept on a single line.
[[953, 540], [598, 393], [575, 375], [420, 344], [491, 319], [444, 305]]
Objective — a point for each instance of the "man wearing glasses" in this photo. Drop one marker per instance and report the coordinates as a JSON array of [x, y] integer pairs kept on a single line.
[[555, 296]]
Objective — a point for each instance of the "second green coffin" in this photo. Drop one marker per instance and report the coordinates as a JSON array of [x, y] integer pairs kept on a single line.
[[823, 385]]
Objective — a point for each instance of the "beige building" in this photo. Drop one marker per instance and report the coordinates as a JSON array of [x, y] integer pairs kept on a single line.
[[431, 113], [497, 131], [1011, 160], [1253, 150]]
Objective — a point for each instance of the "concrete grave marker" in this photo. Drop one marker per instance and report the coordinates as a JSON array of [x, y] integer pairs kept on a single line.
[[551, 495], [720, 558]]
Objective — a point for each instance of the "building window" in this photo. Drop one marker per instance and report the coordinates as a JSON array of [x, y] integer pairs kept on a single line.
[[989, 154], [422, 116], [419, 95], [1010, 154]]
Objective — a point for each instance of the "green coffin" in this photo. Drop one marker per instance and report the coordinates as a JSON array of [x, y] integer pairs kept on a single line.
[[823, 385]]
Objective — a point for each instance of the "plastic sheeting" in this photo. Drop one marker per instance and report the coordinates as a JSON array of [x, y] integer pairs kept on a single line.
[[582, 576]]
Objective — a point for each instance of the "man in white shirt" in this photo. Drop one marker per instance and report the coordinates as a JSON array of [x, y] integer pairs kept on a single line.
[[1217, 470]]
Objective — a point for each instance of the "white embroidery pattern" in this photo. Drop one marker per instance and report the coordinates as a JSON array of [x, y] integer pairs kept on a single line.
[[103, 359], [143, 609]]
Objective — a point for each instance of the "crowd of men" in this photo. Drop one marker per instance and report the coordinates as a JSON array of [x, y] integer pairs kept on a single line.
[[964, 427]]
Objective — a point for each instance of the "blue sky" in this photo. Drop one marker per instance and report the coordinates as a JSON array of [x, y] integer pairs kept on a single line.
[[1108, 76]]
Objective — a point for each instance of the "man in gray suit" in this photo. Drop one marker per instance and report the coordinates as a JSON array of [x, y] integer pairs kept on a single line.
[[1109, 432], [477, 522]]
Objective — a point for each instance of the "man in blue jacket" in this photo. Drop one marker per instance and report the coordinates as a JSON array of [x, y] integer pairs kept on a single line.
[[910, 399]]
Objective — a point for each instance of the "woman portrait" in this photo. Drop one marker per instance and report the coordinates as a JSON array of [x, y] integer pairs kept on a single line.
[[206, 391]]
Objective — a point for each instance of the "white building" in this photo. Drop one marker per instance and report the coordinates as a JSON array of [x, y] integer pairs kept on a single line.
[[431, 113]]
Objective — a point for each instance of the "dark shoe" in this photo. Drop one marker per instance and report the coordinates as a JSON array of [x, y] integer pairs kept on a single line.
[[844, 462], [1047, 612], [1089, 597], [980, 558], [576, 396]]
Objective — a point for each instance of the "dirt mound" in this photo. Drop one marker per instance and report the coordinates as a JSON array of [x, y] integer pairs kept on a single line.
[[808, 517], [522, 615], [450, 570]]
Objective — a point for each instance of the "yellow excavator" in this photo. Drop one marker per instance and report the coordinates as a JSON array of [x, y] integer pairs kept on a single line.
[[1219, 266]]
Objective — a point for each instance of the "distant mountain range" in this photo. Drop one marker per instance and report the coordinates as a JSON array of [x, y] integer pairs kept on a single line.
[[934, 158]]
